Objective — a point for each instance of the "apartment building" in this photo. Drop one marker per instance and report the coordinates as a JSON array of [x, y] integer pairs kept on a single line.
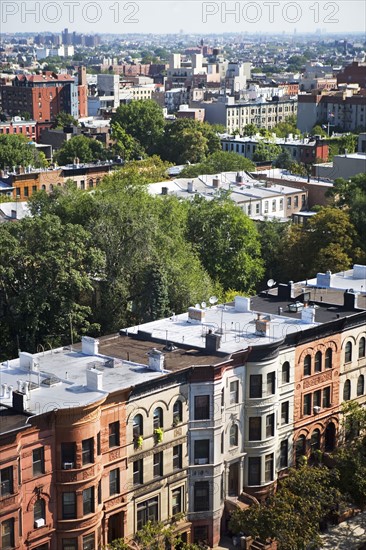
[[180, 419], [19, 126]]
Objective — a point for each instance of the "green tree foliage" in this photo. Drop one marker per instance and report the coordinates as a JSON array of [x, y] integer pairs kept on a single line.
[[227, 242], [45, 267], [81, 147], [284, 160], [338, 146], [187, 140], [149, 170], [250, 130], [127, 147], [143, 120], [64, 119], [272, 234], [15, 150], [318, 131], [288, 126], [221, 161], [266, 151], [292, 515]]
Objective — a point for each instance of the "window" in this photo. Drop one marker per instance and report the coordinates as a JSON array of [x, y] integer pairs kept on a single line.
[[68, 452], [318, 361], [254, 470], [296, 201], [177, 412], [39, 511], [91, 183], [307, 365], [300, 447], [307, 404], [270, 425], [147, 511], [326, 397], [347, 391], [289, 202], [200, 535], [315, 441], [234, 392], [158, 418], [89, 542], [114, 434], [201, 496], [284, 412], [6, 481], [328, 358], [255, 428], [87, 451], [271, 383], [158, 464], [114, 482], [88, 501], [284, 453], [265, 207], [177, 457], [255, 385], [99, 449], [360, 385], [286, 372], [233, 435], [273, 206], [38, 461], [202, 451], [317, 398], [69, 544], [68, 505], [201, 407], [7, 533], [138, 426], [361, 348], [26, 191], [177, 501], [268, 470], [99, 492], [348, 352], [138, 472]]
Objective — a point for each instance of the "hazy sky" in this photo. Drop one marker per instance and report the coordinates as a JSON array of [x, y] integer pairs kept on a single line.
[[187, 16]]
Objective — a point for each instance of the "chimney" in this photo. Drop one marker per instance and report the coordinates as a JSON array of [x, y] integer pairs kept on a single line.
[[89, 346], [156, 360], [350, 299], [76, 161], [262, 325], [164, 190], [242, 303], [94, 379], [190, 187], [285, 291], [196, 315], [324, 279], [19, 401], [239, 178], [308, 315], [215, 183], [4, 390], [213, 342]]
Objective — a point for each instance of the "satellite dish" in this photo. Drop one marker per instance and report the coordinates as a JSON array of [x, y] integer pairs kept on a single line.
[[197, 306], [203, 305], [213, 300], [270, 283]]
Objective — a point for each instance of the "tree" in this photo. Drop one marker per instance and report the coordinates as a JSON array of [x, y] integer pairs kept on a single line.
[[45, 269], [16, 150], [125, 146], [250, 130], [318, 131], [266, 151], [227, 243], [288, 126], [221, 161], [64, 119], [284, 160], [81, 147], [291, 517], [187, 140], [272, 234], [143, 120]]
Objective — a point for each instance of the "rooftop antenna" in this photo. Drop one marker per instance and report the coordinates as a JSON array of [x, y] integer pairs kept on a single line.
[[72, 341], [270, 284], [213, 300]]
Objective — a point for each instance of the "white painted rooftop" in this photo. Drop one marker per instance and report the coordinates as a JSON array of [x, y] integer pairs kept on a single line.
[[354, 278]]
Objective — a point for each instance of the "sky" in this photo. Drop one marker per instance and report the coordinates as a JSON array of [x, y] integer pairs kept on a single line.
[[185, 16]]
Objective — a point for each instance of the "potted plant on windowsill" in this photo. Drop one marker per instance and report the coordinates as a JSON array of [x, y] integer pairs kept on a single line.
[[158, 434], [138, 441]]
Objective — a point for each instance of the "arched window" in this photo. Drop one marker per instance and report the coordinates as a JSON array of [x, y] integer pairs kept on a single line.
[[51, 187], [138, 426], [307, 365], [158, 418], [233, 435], [39, 512], [328, 358], [347, 391], [318, 361], [285, 372], [177, 412], [300, 447], [91, 183], [361, 347], [348, 352], [315, 440], [360, 385], [43, 188]]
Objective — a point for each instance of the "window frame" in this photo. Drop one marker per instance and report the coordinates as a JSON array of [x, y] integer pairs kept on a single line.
[[38, 466], [234, 435], [234, 392], [254, 471], [114, 434], [285, 372], [88, 501], [202, 411], [270, 425], [255, 386], [114, 482], [158, 464], [138, 472], [70, 505], [201, 496], [9, 481], [307, 365], [87, 451]]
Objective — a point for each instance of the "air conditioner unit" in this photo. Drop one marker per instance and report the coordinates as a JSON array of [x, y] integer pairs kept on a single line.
[[68, 465], [316, 410], [39, 523]]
